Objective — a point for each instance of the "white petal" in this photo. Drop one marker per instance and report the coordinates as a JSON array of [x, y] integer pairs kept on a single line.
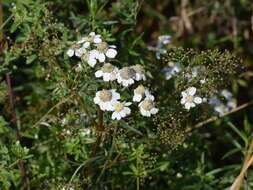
[[86, 45], [105, 106], [99, 73], [79, 52], [92, 34], [187, 105], [111, 53], [198, 100], [92, 62], [97, 40], [112, 46], [127, 110], [122, 114], [101, 57], [81, 41], [96, 100], [191, 90], [150, 97], [137, 97], [184, 94], [93, 53], [70, 52], [154, 110], [183, 100], [114, 115], [106, 77], [128, 103]]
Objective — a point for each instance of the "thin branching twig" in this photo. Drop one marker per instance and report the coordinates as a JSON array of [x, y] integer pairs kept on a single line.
[[214, 118]]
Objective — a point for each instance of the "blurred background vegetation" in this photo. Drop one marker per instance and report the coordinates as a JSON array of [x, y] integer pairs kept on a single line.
[[37, 33]]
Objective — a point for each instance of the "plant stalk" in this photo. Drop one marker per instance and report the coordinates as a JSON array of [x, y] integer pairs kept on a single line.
[[21, 164]]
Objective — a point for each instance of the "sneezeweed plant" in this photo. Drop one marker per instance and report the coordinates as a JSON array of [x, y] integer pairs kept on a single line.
[[97, 115]]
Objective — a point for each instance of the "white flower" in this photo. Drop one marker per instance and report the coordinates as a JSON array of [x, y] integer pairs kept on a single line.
[[171, 70], [222, 106], [195, 71], [121, 110], [91, 38], [77, 51], [139, 72], [107, 71], [90, 58], [188, 98], [106, 99], [71, 52], [164, 39], [147, 106], [96, 38], [126, 76], [227, 94], [104, 50], [140, 92]]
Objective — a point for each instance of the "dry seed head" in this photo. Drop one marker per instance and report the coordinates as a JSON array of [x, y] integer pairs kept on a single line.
[[102, 47], [105, 95], [127, 73], [140, 89], [138, 68], [107, 68]]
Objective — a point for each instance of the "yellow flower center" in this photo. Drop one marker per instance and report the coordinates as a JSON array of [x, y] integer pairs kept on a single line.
[[127, 73], [189, 98], [147, 104], [118, 107], [105, 95]]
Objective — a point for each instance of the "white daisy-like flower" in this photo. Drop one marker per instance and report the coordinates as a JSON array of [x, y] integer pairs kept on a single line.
[[147, 106], [106, 99], [139, 72], [121, 110], [108, 72], [171, 70], [189, 99], [104, 50], [126, 76], [140, 92]]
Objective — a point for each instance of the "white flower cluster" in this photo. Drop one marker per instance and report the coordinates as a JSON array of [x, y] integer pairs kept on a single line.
[[92, 49], [222, 107]]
